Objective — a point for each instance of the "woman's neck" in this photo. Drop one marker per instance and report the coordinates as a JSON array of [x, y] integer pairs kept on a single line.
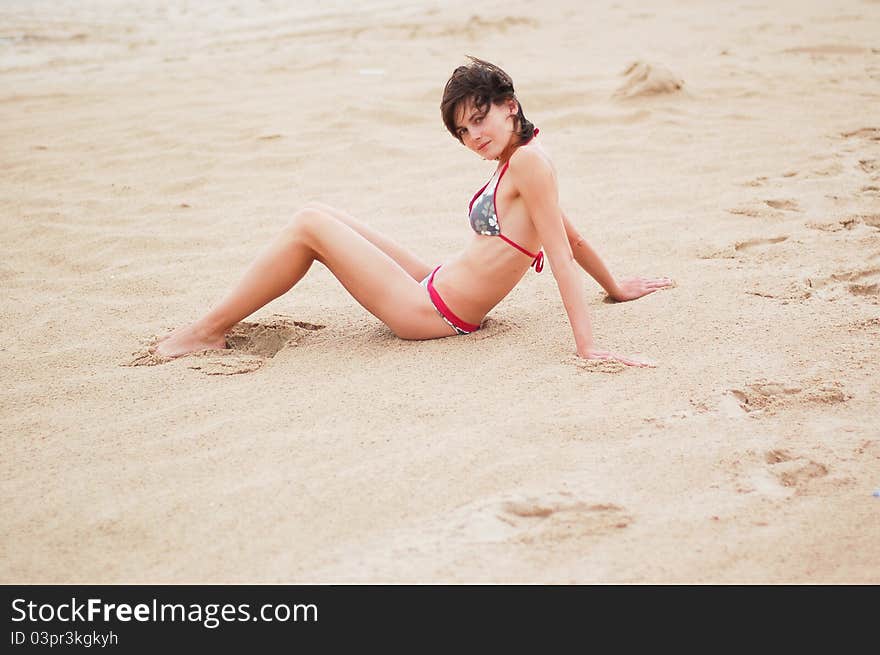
[[515, 142], [507, 153]]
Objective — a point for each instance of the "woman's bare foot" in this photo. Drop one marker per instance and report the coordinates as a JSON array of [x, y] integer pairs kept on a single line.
[[189, 339]]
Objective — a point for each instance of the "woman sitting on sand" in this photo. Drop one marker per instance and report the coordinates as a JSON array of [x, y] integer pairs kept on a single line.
[[418, 301]]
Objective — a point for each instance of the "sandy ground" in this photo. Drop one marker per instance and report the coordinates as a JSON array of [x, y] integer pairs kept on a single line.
[[151, 149]]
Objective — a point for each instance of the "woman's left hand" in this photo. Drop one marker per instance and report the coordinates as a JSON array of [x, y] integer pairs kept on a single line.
[[636, 287], [592, 353]]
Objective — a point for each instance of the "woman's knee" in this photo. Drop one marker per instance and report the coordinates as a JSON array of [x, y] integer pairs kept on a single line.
[[307, 222], [301, 231]]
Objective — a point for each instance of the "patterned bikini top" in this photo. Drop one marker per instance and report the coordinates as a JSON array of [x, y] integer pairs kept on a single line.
[[484, 215]]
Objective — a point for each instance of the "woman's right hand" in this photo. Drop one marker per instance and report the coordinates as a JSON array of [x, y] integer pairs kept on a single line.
[[592, 353]]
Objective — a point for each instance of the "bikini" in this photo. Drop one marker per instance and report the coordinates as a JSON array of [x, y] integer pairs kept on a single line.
[[484, 220]]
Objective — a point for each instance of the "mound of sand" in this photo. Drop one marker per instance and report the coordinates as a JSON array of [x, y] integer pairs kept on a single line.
[[644, 79]]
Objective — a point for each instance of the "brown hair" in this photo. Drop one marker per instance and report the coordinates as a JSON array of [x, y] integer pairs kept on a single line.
[[485, 84]]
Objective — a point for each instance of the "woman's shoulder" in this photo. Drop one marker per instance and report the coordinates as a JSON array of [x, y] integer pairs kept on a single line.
[[531, 160]]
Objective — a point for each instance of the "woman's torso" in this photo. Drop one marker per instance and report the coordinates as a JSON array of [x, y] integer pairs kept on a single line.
[[477, 279]]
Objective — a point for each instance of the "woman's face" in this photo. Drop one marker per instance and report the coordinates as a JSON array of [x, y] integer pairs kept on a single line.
[[489, 132]]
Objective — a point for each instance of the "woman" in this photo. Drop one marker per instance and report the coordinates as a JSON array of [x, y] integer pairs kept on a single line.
[[415, 300]]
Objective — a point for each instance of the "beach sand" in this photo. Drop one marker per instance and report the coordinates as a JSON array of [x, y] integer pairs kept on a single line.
[[150, 150]]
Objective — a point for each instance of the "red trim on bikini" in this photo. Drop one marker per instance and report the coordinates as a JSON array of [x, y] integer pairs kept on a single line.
[[538, 259], [448, 314]]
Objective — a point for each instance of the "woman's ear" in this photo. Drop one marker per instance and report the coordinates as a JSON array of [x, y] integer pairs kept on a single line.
[[513, 106]]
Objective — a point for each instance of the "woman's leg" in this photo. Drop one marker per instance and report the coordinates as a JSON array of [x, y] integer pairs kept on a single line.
[[374, 278], [407, 260]]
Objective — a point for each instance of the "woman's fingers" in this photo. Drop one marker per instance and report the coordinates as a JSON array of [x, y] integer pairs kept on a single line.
[[656, 282], [636, 287], [633, 362]]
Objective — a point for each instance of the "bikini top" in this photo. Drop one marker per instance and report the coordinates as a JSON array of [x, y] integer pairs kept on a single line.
[[484, 215]]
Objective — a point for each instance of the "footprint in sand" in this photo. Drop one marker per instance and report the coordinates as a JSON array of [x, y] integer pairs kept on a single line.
[[750, 246], [762, 180], [513, 526], [863, 283], [250, 346], [764, 397], [785, 205], [767, 398], [554, 519], [548, 518], [871, 325], [848, 223], [869, 166], [752, 212], [866, 140], [758, 181], [829, 170], [777, 207], [778, 472], [868, 133], [868, 448], [792, 470], [782, 290]]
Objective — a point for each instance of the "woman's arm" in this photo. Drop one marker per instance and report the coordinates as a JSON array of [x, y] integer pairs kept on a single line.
[[536, 183], [589, 260]]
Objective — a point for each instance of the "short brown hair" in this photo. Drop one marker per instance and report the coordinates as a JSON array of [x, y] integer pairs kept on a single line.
[[485, 84]]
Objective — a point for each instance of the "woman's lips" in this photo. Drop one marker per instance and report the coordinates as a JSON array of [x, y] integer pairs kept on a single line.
[[484, 145]]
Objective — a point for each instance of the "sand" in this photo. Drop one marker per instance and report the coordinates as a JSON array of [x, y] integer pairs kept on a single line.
[[151, 149]]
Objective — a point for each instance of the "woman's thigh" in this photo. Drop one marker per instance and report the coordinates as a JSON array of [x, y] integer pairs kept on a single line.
[[378, 282], [412, 264]]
